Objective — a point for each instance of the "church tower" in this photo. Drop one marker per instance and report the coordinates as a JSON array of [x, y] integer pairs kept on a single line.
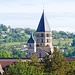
[[31, 46], [43, 37]]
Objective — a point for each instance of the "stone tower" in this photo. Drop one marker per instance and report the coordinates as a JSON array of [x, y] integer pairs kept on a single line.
[[31, 46], [43, 37]]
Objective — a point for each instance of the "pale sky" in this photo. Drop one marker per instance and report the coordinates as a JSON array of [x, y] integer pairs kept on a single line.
[[27, 13]]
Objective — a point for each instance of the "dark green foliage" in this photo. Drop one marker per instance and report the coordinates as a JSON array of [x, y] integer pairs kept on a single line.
[[4, 54], [18, 54], [73, 43], [54, 64], [11, 52], [57, 65], [69, 53], [34, 59], [3, 27], [21, 68], [29, 31], [62, 34]]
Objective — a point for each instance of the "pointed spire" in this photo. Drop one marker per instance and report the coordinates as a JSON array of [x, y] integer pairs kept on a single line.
[[43, 24], [31, 39]]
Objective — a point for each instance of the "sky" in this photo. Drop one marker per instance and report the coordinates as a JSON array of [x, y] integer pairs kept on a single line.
[[27, 13]]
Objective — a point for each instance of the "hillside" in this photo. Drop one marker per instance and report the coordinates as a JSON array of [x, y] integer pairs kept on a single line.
[[15, 38]]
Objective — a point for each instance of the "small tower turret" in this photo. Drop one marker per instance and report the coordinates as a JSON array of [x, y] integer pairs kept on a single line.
[[31, 46]]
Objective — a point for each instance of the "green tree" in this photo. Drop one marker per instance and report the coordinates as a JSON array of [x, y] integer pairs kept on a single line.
[[34, 59], [17, 53], [22, 68], [4, 54], [73, 43], [55, 63]]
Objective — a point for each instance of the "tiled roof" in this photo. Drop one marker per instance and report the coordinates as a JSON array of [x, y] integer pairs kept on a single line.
[[8, 61], [31, 39], [43, 24]]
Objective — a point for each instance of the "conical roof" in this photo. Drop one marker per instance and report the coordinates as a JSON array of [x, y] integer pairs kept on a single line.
[[31, 39], [43, 24]]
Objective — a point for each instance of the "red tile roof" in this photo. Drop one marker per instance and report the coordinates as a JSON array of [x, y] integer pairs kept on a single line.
[[8, 61]]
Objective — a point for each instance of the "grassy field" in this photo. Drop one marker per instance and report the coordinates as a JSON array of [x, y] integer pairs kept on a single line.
[[62, 42], [12, 43], [55, 42]]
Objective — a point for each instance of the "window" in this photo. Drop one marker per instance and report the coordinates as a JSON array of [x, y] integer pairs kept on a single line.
[[37, 45], [39, 55], [42, 35], [42, 40], [40, 44], [29, 45], [47, 40], [47, 35]]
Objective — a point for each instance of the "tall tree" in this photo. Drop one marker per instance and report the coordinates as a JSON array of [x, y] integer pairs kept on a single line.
[[55, 63]]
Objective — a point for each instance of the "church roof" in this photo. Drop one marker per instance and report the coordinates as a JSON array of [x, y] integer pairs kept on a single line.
[[43, 24], [31, 39]]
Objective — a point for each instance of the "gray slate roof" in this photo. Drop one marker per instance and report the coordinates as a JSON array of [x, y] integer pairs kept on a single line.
[[43, 24], [31, 39]]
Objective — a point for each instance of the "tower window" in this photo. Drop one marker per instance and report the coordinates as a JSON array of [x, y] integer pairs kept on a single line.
[[37, 45], [47, 35], [42, 35], [29, 45], [41, 44], [47, 40], [40, 55], [42, 40]]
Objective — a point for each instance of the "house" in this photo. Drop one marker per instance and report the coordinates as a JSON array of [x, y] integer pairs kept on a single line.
[[4, 35], [43, 43]]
